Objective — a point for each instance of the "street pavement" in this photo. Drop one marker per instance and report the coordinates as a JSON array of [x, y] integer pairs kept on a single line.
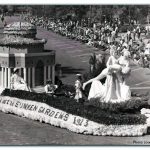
[[73, 56]]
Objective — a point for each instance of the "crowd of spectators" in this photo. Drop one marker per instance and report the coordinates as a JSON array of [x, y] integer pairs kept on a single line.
[[101, 36]]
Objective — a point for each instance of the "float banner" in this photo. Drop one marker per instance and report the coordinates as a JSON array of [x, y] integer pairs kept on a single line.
[[45, 113]]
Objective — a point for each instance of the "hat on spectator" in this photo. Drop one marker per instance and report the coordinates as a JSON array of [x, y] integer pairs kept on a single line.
[[112, 49], [126, 53], [15, 70], [78, 75]]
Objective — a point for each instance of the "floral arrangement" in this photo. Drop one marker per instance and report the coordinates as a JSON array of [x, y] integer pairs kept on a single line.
[[20, 26], [70, 106], [31, 33], [44, 113], [146, 112], [21, 41], [134, 105]]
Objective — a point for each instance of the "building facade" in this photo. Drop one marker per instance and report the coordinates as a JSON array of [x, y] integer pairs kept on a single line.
[[19, 48]]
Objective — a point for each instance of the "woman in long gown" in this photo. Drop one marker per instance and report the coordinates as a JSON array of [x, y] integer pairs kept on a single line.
[[18, 83], [116, 73]]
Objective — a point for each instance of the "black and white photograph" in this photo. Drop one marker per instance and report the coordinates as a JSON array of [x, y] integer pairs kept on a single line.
[[75, 74]]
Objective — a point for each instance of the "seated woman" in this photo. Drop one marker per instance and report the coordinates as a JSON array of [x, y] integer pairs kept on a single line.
[[50, 87], [18, 83], [116, 73]]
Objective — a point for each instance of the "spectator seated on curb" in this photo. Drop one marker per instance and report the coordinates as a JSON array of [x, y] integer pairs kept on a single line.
[[147, 48], [124, 49], [146, 62], [135, 57], [125, 44], [90, 42], [50, 88], [95, 44], [84, 39]]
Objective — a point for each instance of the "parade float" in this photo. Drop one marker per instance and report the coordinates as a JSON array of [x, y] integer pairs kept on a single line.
[[95, 117]]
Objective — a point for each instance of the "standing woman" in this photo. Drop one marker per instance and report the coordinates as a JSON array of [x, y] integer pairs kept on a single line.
[[124, 62], [115, 87], [18, 83]]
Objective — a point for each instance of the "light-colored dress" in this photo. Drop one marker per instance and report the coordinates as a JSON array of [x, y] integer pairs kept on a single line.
[[18, 83], [50, 88], [114, 89], [78, 87], [108, 91]]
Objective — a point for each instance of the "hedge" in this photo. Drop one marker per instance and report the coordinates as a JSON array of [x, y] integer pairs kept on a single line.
[[87, 111], [134, 105]]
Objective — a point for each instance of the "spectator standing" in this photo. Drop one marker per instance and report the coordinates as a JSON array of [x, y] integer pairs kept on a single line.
[[94, 26], [141, 61], [92, 63], [116, 30], [138, 30], [147, 48], [130, 43], [113, 34], [146, 30], [146, 62], [128, 35], [99, 59], [134, 33], [141, 45], [109, 38]]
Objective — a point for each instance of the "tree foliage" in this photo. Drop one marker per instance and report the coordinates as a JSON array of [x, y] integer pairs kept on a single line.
[[95, 13]]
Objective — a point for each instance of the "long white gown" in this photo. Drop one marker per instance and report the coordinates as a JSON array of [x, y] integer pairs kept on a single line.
[[112, 91], [18, 83]]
